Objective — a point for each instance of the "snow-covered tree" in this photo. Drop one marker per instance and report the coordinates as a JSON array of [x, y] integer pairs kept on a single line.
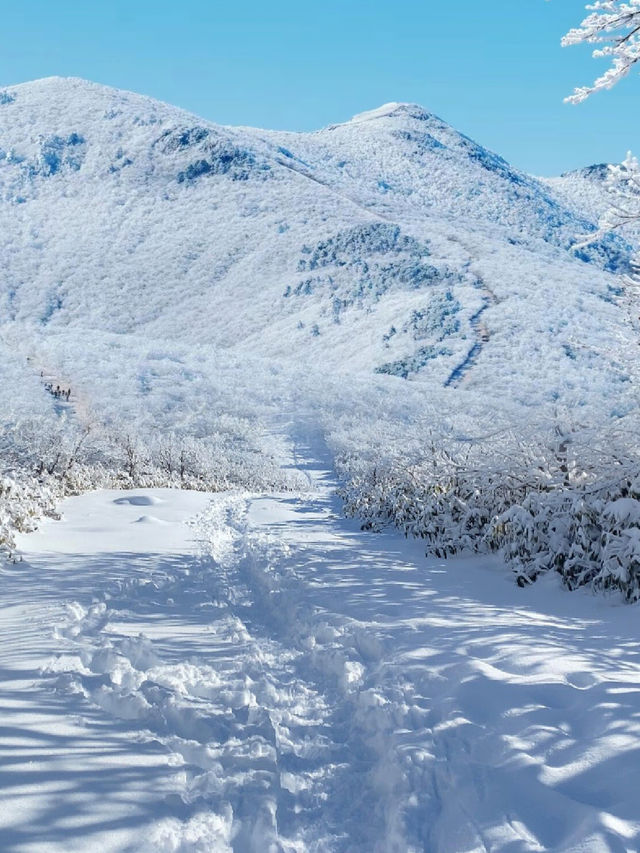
[[623, 185], [614, 26]]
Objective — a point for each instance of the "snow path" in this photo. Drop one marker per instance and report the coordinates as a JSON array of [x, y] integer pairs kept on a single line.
[[482, 337], [478, 327], [270, 678], [76, 405]]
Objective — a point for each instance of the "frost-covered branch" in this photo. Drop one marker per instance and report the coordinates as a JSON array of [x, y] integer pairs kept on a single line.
[[614, 26], [623, 186]]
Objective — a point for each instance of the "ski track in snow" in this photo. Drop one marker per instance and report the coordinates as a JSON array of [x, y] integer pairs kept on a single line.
[[285, 682]]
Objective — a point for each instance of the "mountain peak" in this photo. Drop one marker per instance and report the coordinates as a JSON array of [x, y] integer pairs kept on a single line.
[[69, 92], [394, 109], [60, 83], [373, 246], [391, 109]]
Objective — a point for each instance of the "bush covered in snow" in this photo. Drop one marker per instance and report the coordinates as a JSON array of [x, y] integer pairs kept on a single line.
[[557, 501], [23, 501], [44, 461], [590, 535]]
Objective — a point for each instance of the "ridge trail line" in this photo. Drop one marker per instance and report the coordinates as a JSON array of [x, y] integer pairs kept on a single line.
[[304, 173], [268, 677], [477, 324]]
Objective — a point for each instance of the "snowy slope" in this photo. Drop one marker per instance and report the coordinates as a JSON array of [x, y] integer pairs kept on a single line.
[[270, 678], [390, 243], [583, 189]]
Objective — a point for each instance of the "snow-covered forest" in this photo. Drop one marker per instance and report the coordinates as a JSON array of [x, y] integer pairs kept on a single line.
[[319, 482]]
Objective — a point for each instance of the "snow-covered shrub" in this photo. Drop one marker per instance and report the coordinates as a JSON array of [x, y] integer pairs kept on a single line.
[[590, 535], [404, 367], [564, 500], [216, 154], [23, 501], [356, 267], [449, 509], [54, 453]]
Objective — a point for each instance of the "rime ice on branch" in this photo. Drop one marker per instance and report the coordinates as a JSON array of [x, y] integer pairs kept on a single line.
[[615, 27], [623, 185]]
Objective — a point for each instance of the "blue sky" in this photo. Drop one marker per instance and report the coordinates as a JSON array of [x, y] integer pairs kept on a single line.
[[493, 69]]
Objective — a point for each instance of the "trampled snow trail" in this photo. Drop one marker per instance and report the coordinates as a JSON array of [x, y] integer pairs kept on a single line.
[[270, 678]]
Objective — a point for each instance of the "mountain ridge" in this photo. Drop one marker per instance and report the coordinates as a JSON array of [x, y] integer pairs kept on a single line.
[[388, 244]]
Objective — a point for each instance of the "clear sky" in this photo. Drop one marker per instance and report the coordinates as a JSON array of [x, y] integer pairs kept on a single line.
[[493, 69]]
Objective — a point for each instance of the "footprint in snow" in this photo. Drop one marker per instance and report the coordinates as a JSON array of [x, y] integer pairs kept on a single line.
[[581, 680]]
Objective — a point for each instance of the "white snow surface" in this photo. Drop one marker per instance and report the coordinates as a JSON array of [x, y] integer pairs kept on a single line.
[[250, 672]]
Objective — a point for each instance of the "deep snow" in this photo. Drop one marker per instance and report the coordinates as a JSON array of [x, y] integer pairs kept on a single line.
[[251, 672]]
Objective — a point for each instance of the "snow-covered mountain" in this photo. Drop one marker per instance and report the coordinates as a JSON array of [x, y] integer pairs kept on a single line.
[[389, 244], [382, 307]]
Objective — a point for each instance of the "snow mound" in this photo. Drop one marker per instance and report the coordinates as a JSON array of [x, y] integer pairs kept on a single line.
[[138, 500], [149, 519]]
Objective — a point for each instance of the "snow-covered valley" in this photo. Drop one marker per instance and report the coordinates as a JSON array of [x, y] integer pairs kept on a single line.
[[251, 672]]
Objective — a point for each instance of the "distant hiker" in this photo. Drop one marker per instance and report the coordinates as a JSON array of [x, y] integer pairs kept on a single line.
[[68, 394]]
